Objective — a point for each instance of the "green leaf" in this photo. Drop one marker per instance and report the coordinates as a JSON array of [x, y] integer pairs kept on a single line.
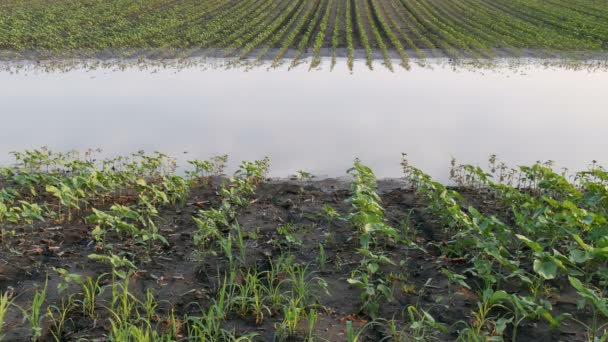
[[61, 287], [354, 282], [372, 267], [546, 269], [544, 313], [582, 243], [97, 231], [579, 257], [501, 324], [98, 257], [587, 219], [52, 189], [386, 291], [535, 246], [498, 296]]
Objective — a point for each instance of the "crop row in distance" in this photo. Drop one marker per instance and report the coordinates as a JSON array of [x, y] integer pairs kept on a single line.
[[269, 29]]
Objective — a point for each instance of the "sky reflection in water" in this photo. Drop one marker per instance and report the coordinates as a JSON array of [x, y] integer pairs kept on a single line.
[[316, 121]]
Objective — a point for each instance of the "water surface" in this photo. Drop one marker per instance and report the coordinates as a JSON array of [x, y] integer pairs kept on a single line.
[[315, 121]]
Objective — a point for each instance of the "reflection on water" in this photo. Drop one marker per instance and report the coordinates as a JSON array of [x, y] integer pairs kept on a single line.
[[316, 121]]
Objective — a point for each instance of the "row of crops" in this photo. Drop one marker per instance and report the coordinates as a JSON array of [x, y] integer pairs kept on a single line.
[[262, 30], [127, 250]]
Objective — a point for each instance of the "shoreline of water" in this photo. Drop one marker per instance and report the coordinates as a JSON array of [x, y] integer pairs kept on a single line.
[[503, 59]]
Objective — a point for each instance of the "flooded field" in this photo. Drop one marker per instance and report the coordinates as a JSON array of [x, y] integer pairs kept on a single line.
[[303, 170], [115, 247], [315, 121]]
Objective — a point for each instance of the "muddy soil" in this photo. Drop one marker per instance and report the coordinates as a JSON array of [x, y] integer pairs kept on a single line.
[[184, 280]]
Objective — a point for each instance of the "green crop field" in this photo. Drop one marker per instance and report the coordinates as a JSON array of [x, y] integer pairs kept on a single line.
[[391, 30], [124, 249]]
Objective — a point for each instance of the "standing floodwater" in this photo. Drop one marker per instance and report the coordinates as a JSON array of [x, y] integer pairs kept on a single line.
[[316, 121]]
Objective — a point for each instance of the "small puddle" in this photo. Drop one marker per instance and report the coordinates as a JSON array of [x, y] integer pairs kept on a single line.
[[315, 121]]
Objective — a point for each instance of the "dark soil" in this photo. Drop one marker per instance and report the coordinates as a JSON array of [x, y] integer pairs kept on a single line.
[[182, 280]]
